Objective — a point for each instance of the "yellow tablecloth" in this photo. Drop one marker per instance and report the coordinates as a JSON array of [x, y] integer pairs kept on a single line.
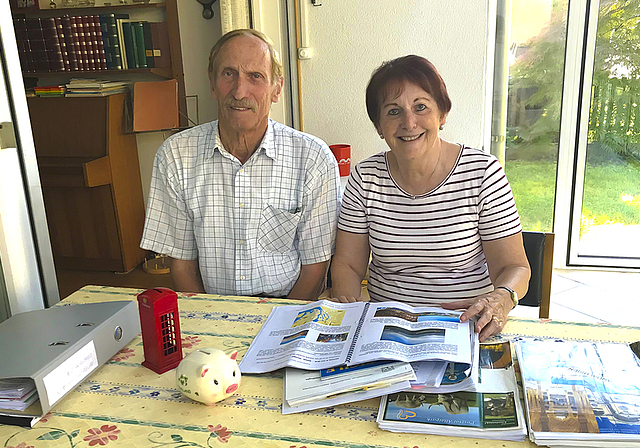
[[126, 405]]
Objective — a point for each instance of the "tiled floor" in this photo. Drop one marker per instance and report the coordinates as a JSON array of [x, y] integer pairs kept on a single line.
[[592, 296]]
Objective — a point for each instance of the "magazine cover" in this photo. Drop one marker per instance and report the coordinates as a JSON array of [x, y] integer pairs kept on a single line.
[[581, 387], [493, 411], [469, 409]]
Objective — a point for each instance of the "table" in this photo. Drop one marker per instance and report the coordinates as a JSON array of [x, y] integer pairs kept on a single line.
[[126, 405]]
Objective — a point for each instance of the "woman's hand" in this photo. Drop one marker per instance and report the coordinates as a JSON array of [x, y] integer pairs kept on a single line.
[[350, 299], [492, 310]]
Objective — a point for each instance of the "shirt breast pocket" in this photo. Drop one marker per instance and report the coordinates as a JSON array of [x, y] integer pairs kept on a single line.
[[277, 229]]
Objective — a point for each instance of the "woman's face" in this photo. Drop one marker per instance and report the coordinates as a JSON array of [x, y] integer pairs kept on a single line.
[[410, 121]]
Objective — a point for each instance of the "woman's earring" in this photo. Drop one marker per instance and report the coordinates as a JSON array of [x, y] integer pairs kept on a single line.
[[441, 127], [381, 136]]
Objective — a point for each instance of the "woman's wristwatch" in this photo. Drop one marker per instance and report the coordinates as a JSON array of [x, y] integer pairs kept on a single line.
[[514, 295]]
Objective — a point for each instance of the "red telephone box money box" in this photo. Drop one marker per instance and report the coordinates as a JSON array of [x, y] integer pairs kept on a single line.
[[160, 323]]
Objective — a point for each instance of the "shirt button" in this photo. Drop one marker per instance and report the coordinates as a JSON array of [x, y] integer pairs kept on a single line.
[[241, 204], [240, 241], [242, 277], [241, 170]]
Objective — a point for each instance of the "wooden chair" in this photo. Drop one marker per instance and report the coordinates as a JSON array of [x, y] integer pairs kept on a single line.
[[539, 249]]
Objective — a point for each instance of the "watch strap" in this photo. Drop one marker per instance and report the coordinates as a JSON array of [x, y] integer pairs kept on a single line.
[[514, 295]]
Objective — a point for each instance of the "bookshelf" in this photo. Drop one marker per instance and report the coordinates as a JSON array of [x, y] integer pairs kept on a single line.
[[152, 11], [87, 154]]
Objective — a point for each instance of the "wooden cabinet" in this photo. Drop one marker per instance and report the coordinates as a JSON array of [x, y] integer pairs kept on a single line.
[[90, 181]]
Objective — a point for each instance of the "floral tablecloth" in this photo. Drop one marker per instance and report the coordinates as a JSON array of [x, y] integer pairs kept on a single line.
[[126, 405]]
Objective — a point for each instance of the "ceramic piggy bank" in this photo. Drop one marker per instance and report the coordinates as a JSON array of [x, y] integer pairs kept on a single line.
[[208, 375]]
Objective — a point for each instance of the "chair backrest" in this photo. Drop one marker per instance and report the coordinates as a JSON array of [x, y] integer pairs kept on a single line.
[[539, 249]]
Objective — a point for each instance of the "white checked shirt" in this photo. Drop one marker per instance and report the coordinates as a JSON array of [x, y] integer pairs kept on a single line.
[[250, 226]]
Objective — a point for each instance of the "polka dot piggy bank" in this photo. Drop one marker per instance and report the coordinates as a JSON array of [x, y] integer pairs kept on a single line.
[[208, 375]]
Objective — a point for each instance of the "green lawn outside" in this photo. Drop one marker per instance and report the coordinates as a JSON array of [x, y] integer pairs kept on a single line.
[[612, 194]]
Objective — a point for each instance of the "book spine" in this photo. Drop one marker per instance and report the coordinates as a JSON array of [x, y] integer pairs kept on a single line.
[[123, 49], [140, 44], [22, 40], [356, 334], [101, 57], [71, 43], [106, 45], [52, 45], [79, 44], [161, 48], [134, 41], [89, 42], [114, 41], [63, 44], [128, 45], [148, 44], [37, 46]]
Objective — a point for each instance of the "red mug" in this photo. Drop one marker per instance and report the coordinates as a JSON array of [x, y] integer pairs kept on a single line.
[[342, 154]]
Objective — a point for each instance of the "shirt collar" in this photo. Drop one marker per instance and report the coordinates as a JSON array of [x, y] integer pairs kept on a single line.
[[268, 143]]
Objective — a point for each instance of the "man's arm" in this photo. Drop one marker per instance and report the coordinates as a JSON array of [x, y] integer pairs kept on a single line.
[[311, 281], [186, 275]]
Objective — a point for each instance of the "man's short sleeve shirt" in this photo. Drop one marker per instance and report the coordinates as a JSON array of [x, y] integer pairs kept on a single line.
[[250, 226]]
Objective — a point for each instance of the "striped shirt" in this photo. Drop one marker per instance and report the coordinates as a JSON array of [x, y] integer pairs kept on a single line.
[[250, 226], [426, 249]]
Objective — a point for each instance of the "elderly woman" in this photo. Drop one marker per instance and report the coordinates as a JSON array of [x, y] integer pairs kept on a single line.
[[438, 218]]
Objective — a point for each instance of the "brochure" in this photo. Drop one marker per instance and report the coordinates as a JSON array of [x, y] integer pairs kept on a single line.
[[324, 334], [455, 376], [303, 387], [581, 393], [493, 412]]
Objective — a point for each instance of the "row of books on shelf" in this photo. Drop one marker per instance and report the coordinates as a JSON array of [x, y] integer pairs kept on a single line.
[[90, 43], [433, 377]]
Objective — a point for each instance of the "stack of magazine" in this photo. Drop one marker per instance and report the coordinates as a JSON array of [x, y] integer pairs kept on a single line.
[[494, 411], [17, 394], [581, 393], [329, 335], [81, 87]]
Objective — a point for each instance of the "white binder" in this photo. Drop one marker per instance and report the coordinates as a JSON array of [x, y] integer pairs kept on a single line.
[[61, 346]]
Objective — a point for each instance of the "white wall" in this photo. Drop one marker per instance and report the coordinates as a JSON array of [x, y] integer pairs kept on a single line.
[[350, 38], [197, 36]]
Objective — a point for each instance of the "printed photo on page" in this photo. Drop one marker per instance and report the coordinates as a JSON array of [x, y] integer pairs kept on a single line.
[[409, 334]]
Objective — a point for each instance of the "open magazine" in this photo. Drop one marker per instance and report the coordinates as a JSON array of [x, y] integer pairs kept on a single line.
[[325, 334], [494, 411], [581, 393]]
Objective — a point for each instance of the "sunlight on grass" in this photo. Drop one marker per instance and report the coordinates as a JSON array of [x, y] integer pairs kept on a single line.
[[611, 194]]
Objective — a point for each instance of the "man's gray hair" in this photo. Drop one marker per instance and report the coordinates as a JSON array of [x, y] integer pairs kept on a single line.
[[276, 66]]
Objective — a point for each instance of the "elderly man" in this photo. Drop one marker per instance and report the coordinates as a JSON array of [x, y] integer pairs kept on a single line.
[[244, 205]]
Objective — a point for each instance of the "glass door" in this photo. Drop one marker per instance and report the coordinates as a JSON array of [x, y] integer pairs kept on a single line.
[[27, 275], [605, 226], [529, 55]]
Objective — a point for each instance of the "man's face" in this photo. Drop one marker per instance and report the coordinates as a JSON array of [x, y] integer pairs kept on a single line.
[[243, 86]]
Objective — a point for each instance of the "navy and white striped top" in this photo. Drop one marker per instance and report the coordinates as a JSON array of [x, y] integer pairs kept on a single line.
[[428, 249]]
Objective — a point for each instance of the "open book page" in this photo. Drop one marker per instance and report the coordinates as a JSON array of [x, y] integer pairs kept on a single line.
[[312, 337], [494, 411], [580, 391], [393, 330]]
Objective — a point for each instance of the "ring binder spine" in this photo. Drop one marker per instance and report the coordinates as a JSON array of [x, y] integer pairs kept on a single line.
[[357, 333]]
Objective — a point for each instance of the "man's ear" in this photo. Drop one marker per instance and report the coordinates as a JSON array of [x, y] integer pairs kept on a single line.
[[212, 88], [277, 90]]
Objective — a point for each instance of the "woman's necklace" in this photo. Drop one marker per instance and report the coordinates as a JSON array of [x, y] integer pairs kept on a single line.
[[435, 166]]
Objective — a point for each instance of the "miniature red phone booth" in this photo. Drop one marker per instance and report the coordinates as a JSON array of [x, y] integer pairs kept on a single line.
[[160, 325]]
